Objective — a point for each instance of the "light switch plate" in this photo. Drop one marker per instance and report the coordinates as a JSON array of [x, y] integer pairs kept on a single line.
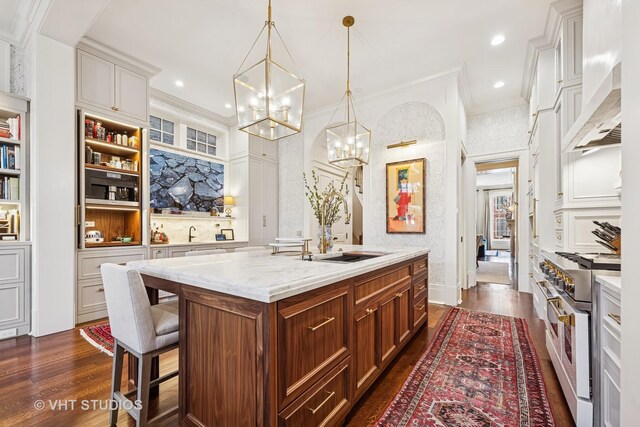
[[89, 223]]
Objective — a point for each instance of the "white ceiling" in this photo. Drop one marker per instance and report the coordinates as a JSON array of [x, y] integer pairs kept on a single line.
[[202, 42]]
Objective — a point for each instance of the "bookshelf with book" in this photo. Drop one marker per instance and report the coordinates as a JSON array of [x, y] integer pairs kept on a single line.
[[15, 246], [13, 169]]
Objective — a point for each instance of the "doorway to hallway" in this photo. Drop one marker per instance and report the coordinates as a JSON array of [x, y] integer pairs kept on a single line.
[[496, 223]]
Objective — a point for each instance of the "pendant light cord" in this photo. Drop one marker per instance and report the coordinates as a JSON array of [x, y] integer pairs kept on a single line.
[[348, 73]]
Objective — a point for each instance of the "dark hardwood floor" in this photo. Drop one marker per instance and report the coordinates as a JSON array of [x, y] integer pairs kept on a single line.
[[64, 366]]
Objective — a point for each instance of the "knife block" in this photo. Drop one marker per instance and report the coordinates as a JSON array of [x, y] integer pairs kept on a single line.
[[617, 242]]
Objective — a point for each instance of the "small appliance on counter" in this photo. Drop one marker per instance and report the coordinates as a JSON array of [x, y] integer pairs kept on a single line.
[[93, 236]]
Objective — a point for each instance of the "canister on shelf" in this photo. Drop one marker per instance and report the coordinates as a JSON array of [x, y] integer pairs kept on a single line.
[[125, 138], [88, 155], [88, 128], [119, 139], [96, 129]]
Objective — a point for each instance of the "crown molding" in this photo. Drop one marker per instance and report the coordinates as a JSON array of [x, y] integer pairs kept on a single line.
[[157, 94], [29, 17], [557, 12], [497, 106], [117, 56], [451, 73]]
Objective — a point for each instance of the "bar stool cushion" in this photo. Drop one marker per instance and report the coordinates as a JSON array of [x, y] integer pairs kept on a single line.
[[165, 318]]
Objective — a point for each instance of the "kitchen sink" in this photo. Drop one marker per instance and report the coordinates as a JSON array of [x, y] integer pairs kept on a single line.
[[349, 257]]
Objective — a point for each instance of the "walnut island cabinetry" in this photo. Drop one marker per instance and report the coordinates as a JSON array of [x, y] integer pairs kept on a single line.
[[273, 340]]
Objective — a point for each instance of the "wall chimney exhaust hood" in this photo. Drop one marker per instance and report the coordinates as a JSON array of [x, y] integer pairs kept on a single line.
[[600, 122]]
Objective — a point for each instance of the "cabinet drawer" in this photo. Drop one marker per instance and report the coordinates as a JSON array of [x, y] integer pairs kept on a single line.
[[559, 239], [419, 313], [12, 304], [325, 404], [11, 265], [89, 263], [559, 221], [420, 288], [610, 391], [376, 285], [91, 296], [313, 336], [159, 253], [420, 267]]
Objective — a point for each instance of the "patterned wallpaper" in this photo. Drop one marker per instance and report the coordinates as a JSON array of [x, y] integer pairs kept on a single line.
[[409, 121], [291, 197], [19, 71], [498, 131]]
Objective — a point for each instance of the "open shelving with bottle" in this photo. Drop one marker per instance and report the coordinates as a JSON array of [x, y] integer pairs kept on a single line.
[[13, 168], [110, 182]]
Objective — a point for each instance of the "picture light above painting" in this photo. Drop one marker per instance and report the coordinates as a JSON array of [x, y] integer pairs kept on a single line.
[[186, 183]]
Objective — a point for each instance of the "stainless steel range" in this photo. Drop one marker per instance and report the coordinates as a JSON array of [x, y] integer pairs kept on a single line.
[[571, 333]]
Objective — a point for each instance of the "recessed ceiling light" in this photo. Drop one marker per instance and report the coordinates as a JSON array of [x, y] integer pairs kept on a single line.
[[227, 106], [179, 83], [498, 84], [497, 40]]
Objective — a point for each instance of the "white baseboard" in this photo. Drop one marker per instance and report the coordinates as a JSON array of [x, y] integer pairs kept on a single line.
[[436, 293]]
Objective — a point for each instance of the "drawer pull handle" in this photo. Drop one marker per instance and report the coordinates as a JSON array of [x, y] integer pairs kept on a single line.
[[399, 295], [369, 311], [100, 290], [616, 318], [313, 411], [422, 287], [326, 322], [420, 308]]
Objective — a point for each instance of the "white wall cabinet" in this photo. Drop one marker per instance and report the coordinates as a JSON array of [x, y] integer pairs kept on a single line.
[[131, 96], [262, 148], [107, 84], [15, 301], [263, 202]]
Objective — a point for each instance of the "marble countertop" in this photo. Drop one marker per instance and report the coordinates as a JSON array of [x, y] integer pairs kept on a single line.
[[263, 277], [614, 283], [210, 242]]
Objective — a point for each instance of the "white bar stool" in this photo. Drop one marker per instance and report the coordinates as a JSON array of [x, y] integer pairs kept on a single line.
[[143, 330]]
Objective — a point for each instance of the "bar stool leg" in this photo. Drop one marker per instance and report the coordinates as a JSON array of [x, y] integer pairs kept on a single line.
[[144, 378], [116, 379]]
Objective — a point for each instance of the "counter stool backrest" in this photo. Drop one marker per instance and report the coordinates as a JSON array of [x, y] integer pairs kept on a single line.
[[128, 307]]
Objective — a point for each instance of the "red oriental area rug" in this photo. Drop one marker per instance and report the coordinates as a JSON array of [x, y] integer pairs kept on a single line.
[[99, 336], [480, 369]]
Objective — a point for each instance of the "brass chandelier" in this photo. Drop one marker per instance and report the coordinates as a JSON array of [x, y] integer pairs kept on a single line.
[[269, 99], [348, 143]]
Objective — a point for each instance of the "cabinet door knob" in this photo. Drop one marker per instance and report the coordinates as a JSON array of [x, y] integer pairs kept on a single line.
[[560, 82], [369, 311], [399, 295]]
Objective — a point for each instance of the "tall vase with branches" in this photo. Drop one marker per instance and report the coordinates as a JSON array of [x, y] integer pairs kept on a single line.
[[332, 209]]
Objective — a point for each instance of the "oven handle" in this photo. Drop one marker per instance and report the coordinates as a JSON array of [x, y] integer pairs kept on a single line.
[[567, 319], [544, 289]]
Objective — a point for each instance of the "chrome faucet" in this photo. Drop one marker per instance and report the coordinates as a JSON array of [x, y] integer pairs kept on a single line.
[[191, 237], [323, 209]]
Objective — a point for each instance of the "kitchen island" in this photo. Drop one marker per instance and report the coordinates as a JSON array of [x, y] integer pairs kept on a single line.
[[273, 340]]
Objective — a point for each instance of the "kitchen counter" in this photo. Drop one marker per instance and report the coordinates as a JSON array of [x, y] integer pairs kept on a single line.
[[614, 283], [263, 277], [277, 341], [199, 243]]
